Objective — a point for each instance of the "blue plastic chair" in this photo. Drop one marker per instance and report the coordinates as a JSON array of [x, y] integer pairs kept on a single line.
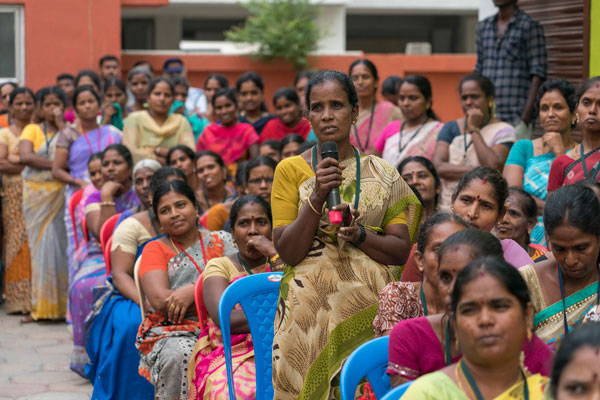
[[397, 392], [370, 360], [257, 294]]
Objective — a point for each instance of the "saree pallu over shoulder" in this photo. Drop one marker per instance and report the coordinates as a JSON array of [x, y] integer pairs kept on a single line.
[[548, 320], [548, 323], [43, 211], [329, 300]]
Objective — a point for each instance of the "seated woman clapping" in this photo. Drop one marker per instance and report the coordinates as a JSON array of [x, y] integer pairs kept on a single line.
[[492, 318], [251, 224], [169, 269]]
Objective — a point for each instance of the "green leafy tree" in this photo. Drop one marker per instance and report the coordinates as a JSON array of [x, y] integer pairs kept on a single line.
[[282, 29]]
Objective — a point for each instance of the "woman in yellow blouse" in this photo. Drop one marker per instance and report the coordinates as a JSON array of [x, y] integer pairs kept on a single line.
[[17, 277], [43, 208], [333, 273]]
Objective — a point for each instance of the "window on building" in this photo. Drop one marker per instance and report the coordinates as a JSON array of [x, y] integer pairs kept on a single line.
[[137, 33], [391, 33], [207, 29], [11, 43]]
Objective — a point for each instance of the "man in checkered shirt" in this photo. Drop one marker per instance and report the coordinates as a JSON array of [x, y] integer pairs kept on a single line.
[[511, 51]]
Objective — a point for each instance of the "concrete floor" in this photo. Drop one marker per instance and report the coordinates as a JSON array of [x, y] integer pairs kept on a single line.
[[34, 362]]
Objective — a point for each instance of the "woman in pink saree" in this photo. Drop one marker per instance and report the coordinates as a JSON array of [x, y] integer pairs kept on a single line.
[[373, 115], [251, 223]]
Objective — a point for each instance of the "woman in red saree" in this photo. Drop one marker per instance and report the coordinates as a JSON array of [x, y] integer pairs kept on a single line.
[[289, 117], [373, 115], [582, 163], [232, 139]]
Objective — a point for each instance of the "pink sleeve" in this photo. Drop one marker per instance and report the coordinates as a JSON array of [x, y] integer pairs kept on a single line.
[[200, 143], [538, 356], [391, 129], [402, 357], [514, 254]]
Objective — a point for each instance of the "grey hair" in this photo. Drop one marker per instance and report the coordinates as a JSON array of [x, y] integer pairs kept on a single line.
[[146, 163], [139, 70]]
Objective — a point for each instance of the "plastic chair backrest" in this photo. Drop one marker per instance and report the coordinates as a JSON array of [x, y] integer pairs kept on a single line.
[[257, 294], [73, 202], [369, 360], [397, 392], [107, 229], [198, 297], [106, 252], [138, 286]]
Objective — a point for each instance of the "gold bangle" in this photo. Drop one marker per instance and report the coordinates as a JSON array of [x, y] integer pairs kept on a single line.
[[107, 203], [274, 259], [310, 204]]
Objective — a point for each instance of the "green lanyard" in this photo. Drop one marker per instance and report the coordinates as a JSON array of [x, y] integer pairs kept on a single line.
[[475, 388], [423, 300], [357, 158], [447, 343]]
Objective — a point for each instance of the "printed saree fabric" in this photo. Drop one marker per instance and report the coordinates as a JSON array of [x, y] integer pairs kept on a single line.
[[329, 300], [17, 259], [165, 347], [43, 211], [208, 375], [548, 321]]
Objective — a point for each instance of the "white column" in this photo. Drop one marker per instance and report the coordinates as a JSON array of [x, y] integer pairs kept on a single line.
[[331, 20]]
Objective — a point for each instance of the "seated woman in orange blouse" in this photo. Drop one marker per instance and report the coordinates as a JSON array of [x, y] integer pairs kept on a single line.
[[169, 269]]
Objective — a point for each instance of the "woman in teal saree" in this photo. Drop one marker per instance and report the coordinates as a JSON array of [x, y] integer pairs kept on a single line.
[[565, 289]]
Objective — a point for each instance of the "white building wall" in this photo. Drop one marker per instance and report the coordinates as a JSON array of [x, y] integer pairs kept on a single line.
[[331, 21], [486, 8]]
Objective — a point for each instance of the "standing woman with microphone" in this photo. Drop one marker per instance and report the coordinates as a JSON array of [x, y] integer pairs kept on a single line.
[[334, 272]]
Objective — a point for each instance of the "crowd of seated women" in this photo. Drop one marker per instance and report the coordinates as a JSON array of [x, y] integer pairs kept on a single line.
[[476, 253]]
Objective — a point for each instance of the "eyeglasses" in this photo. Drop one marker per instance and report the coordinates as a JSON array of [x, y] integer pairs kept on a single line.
[[258, 181]]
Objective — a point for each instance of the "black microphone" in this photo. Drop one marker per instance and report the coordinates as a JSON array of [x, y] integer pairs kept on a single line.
[[329, 149]]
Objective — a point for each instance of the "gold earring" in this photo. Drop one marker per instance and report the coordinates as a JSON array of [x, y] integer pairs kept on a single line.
[[529, 334]]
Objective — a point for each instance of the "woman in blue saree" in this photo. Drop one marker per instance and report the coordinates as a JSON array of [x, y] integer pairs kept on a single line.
[[112, 327], [565, 289]]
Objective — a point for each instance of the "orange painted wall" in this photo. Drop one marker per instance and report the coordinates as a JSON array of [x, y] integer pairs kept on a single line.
[[70, 35], [67, 36], [144, 3], [443, 70]]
